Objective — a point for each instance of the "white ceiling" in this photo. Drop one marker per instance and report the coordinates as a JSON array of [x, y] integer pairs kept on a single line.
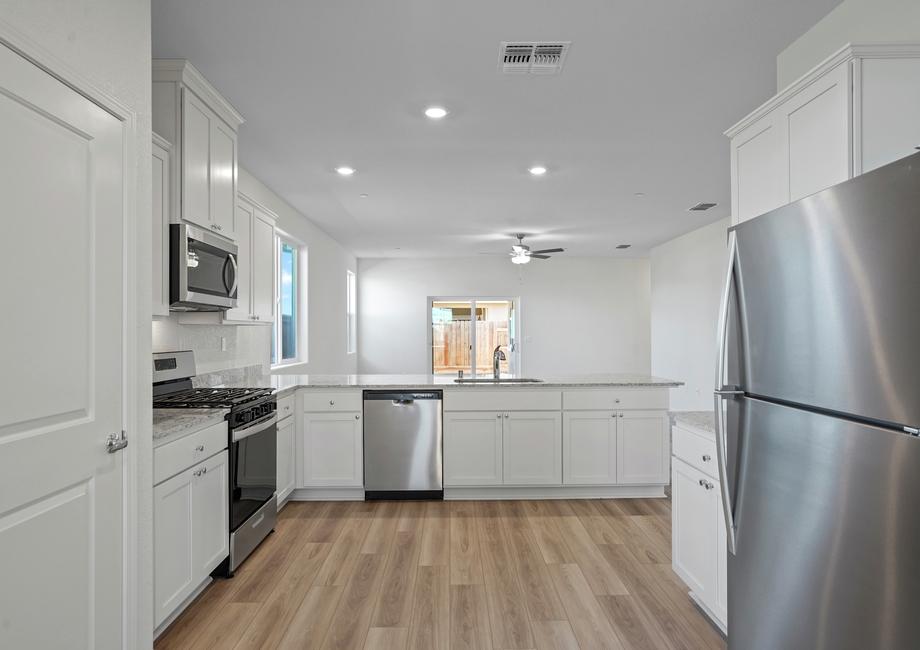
[[647, 89]]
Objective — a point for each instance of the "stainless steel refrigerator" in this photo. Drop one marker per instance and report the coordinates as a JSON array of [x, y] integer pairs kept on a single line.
[[818, 405]]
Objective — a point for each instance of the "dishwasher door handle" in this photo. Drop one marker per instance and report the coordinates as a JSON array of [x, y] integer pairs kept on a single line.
[[403, 402]]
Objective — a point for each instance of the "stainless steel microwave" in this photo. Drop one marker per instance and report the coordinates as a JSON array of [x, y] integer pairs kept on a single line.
[[202, 270]]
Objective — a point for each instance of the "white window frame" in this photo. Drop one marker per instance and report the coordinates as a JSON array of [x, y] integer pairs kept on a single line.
[[351, 312], [515, 358], [300, 288]]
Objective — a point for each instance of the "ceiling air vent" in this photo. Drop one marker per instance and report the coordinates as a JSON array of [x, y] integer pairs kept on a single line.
[[532, 58], [701, 207]]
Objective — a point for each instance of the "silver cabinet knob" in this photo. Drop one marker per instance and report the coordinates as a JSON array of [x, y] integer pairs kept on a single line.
[[621, 415], [706, 484], [507, 416], [332, 402], [706, 458], [357, 417], [617, 400], [498, 415], [199, 448]]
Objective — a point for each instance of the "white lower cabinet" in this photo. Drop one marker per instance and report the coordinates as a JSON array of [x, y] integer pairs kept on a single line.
[[699, 550], [191, 531], [532, 448], [332, 451], [285, 458], [472, 449], [590, 448]]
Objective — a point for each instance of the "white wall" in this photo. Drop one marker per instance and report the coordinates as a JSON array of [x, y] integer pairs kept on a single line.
[[687, 274], [108, 43], [578, 315], [853, 21], [327, 262]]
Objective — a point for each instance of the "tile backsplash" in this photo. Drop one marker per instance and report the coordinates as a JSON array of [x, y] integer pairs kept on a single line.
[[217, 347]]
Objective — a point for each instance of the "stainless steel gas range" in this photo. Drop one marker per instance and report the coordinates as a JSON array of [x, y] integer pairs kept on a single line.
[[252, 440]]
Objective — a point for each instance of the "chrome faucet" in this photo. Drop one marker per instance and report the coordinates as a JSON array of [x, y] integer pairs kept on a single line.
[[497, 356]]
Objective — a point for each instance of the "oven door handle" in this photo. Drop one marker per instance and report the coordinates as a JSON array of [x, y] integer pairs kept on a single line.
[[252, 429]]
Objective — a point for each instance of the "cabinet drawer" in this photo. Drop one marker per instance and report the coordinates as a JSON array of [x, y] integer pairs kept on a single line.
[[604, 399], [176, 456], [314, 402], [285, 407], [695, 450], [507, 399]]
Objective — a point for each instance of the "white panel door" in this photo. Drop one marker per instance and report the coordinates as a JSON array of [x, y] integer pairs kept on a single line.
[[196, 160], [159, 270], [173, 564], [532, 448], [760, 168], [693, 538], [333, 450], [245, 215], [263, 267], [61, 256], [642, 447], [889, 127], [472, 449], [223, 177], [818, 128], [210, 521], [589, 452], [285, 458]]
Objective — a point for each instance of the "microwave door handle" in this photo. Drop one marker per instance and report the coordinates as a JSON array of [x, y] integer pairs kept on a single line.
[[236, 269]]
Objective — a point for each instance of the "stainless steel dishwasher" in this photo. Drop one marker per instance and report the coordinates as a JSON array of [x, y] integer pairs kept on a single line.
[[402, 445]]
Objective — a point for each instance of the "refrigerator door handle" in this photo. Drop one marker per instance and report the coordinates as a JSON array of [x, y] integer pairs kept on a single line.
[[722, 392]]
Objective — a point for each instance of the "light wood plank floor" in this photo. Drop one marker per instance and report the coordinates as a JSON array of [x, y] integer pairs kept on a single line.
[[524, 575]]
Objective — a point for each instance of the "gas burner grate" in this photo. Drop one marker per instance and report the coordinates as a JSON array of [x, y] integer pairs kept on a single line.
[[210, 397]]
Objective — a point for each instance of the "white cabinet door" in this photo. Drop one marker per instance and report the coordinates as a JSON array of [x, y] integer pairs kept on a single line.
[[174, 570], [532, 448], [159, 270], [719, 601], [196, 160], [210, 517], [245, 215], [223, 177], [642, 447], [693, 535], [333, 450], [263, 267], [760, 168], [817, 123], [589, 448], [888, 101], [472, 448], [285, 458]]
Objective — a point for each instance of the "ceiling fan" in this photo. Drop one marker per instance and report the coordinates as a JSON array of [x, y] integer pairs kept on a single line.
[[521, 253]]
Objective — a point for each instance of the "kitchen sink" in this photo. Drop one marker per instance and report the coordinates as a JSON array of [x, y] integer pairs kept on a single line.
[[492, 380]]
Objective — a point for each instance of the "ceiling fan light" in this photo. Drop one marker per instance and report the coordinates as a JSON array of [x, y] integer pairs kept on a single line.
[[520, 258]]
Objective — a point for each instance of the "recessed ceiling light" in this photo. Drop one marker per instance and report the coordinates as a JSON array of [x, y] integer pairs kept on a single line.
[[537, 170], [345, 170], [639, 194], [435, 112], [363, 196]]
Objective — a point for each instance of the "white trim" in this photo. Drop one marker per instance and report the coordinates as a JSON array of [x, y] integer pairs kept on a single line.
[[708, 612], [327, 494], [846, 53], [182, 71], [563, 492], [169, 620], [160, 141], [132, 635]]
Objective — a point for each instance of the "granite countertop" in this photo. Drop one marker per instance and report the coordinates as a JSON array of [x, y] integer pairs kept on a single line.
[[172, 424], [704, 420], [283, 383]]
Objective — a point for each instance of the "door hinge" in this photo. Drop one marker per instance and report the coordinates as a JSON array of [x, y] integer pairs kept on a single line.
[[116, 442]]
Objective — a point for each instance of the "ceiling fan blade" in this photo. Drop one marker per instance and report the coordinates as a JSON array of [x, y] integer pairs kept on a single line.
[[539, 257], [550, 250]]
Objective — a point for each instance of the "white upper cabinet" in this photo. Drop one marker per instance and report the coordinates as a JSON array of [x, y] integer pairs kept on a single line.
[[255, 236], [160, 166], [202, 126], [854, 112]]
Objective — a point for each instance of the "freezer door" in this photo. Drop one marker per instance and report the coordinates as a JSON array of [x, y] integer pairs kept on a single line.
[[827, 533], [829, 289]]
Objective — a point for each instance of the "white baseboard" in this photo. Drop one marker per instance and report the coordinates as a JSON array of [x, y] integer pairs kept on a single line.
[[715, 620], [181, 608], [327, 494], [567, 492]]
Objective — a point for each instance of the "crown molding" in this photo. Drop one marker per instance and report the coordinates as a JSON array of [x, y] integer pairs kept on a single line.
[[182, 71]]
